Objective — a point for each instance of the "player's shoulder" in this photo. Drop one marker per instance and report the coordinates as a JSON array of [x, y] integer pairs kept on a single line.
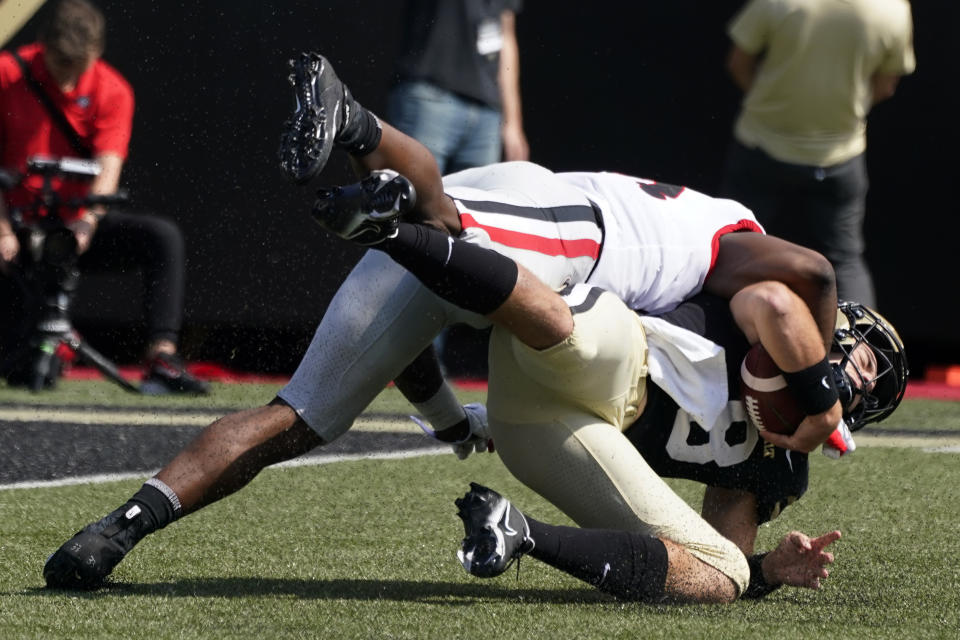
[[607, 177]]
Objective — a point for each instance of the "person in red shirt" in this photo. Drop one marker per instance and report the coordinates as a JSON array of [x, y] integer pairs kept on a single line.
[[98, 104]]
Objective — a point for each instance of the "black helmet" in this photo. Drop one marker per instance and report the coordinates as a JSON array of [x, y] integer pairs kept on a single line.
[[856, 324]]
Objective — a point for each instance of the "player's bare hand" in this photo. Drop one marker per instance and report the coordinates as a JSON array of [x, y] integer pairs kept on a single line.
[[799, 560]]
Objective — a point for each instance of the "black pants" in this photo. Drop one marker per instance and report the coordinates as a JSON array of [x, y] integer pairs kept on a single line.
[[820, 208], [154, 247], [147, 244]]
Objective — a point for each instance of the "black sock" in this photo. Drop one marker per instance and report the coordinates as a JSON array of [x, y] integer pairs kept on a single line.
[[469, 276], [156, 510], [157, 504], [625, 564], [361, 132]]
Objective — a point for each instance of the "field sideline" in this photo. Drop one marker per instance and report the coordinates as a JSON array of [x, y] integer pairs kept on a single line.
[[356, 547]]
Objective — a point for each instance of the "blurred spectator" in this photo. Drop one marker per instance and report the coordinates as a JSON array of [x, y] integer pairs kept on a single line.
[[811, 70], [459, 89], [59, 99]]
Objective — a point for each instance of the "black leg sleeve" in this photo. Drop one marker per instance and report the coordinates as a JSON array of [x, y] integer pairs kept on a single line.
[[622, 563], [469, 276]]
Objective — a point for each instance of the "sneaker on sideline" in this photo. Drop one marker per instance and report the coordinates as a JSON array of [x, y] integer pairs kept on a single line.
[[167, 374]]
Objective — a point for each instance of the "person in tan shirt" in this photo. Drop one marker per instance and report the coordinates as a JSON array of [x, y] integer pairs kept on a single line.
[[810, 71]]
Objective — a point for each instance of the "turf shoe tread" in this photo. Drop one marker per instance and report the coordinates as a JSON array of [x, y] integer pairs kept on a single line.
[[322, 108], [495, 532]]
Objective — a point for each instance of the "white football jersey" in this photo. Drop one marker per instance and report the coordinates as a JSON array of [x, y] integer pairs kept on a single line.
[[651, 244], [660, 240], [521, 210], [560, 226]]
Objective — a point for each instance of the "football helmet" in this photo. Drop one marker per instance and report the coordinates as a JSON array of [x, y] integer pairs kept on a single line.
[[858, 325]]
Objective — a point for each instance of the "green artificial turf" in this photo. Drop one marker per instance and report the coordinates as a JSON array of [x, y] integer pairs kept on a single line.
[[222, 396], [365, 549]]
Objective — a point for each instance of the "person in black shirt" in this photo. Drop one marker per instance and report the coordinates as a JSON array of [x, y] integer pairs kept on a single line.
[[458, 91]]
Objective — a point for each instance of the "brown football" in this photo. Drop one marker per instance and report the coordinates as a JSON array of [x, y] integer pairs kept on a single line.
[[769, 402]]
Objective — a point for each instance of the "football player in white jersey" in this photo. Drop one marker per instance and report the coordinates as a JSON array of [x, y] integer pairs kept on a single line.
[[568, 378], [660, 243], [382, 318], [569, 393]]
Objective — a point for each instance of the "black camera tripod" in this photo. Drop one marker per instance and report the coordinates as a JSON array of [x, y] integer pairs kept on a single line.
[[48, 276]]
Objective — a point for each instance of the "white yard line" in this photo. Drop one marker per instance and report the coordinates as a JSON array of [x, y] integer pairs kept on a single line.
[[309, 461], [946, 444], [131, 418], [186, 418], [147, 418], [929, 444]]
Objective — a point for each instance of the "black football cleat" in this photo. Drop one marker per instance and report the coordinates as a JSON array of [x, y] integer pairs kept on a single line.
[[323, 108], [367, 212], [85, 560], [495, 532]]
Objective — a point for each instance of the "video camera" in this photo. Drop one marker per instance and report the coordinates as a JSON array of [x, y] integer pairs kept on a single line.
[[47, 272], [49, 248], [47, 239]]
